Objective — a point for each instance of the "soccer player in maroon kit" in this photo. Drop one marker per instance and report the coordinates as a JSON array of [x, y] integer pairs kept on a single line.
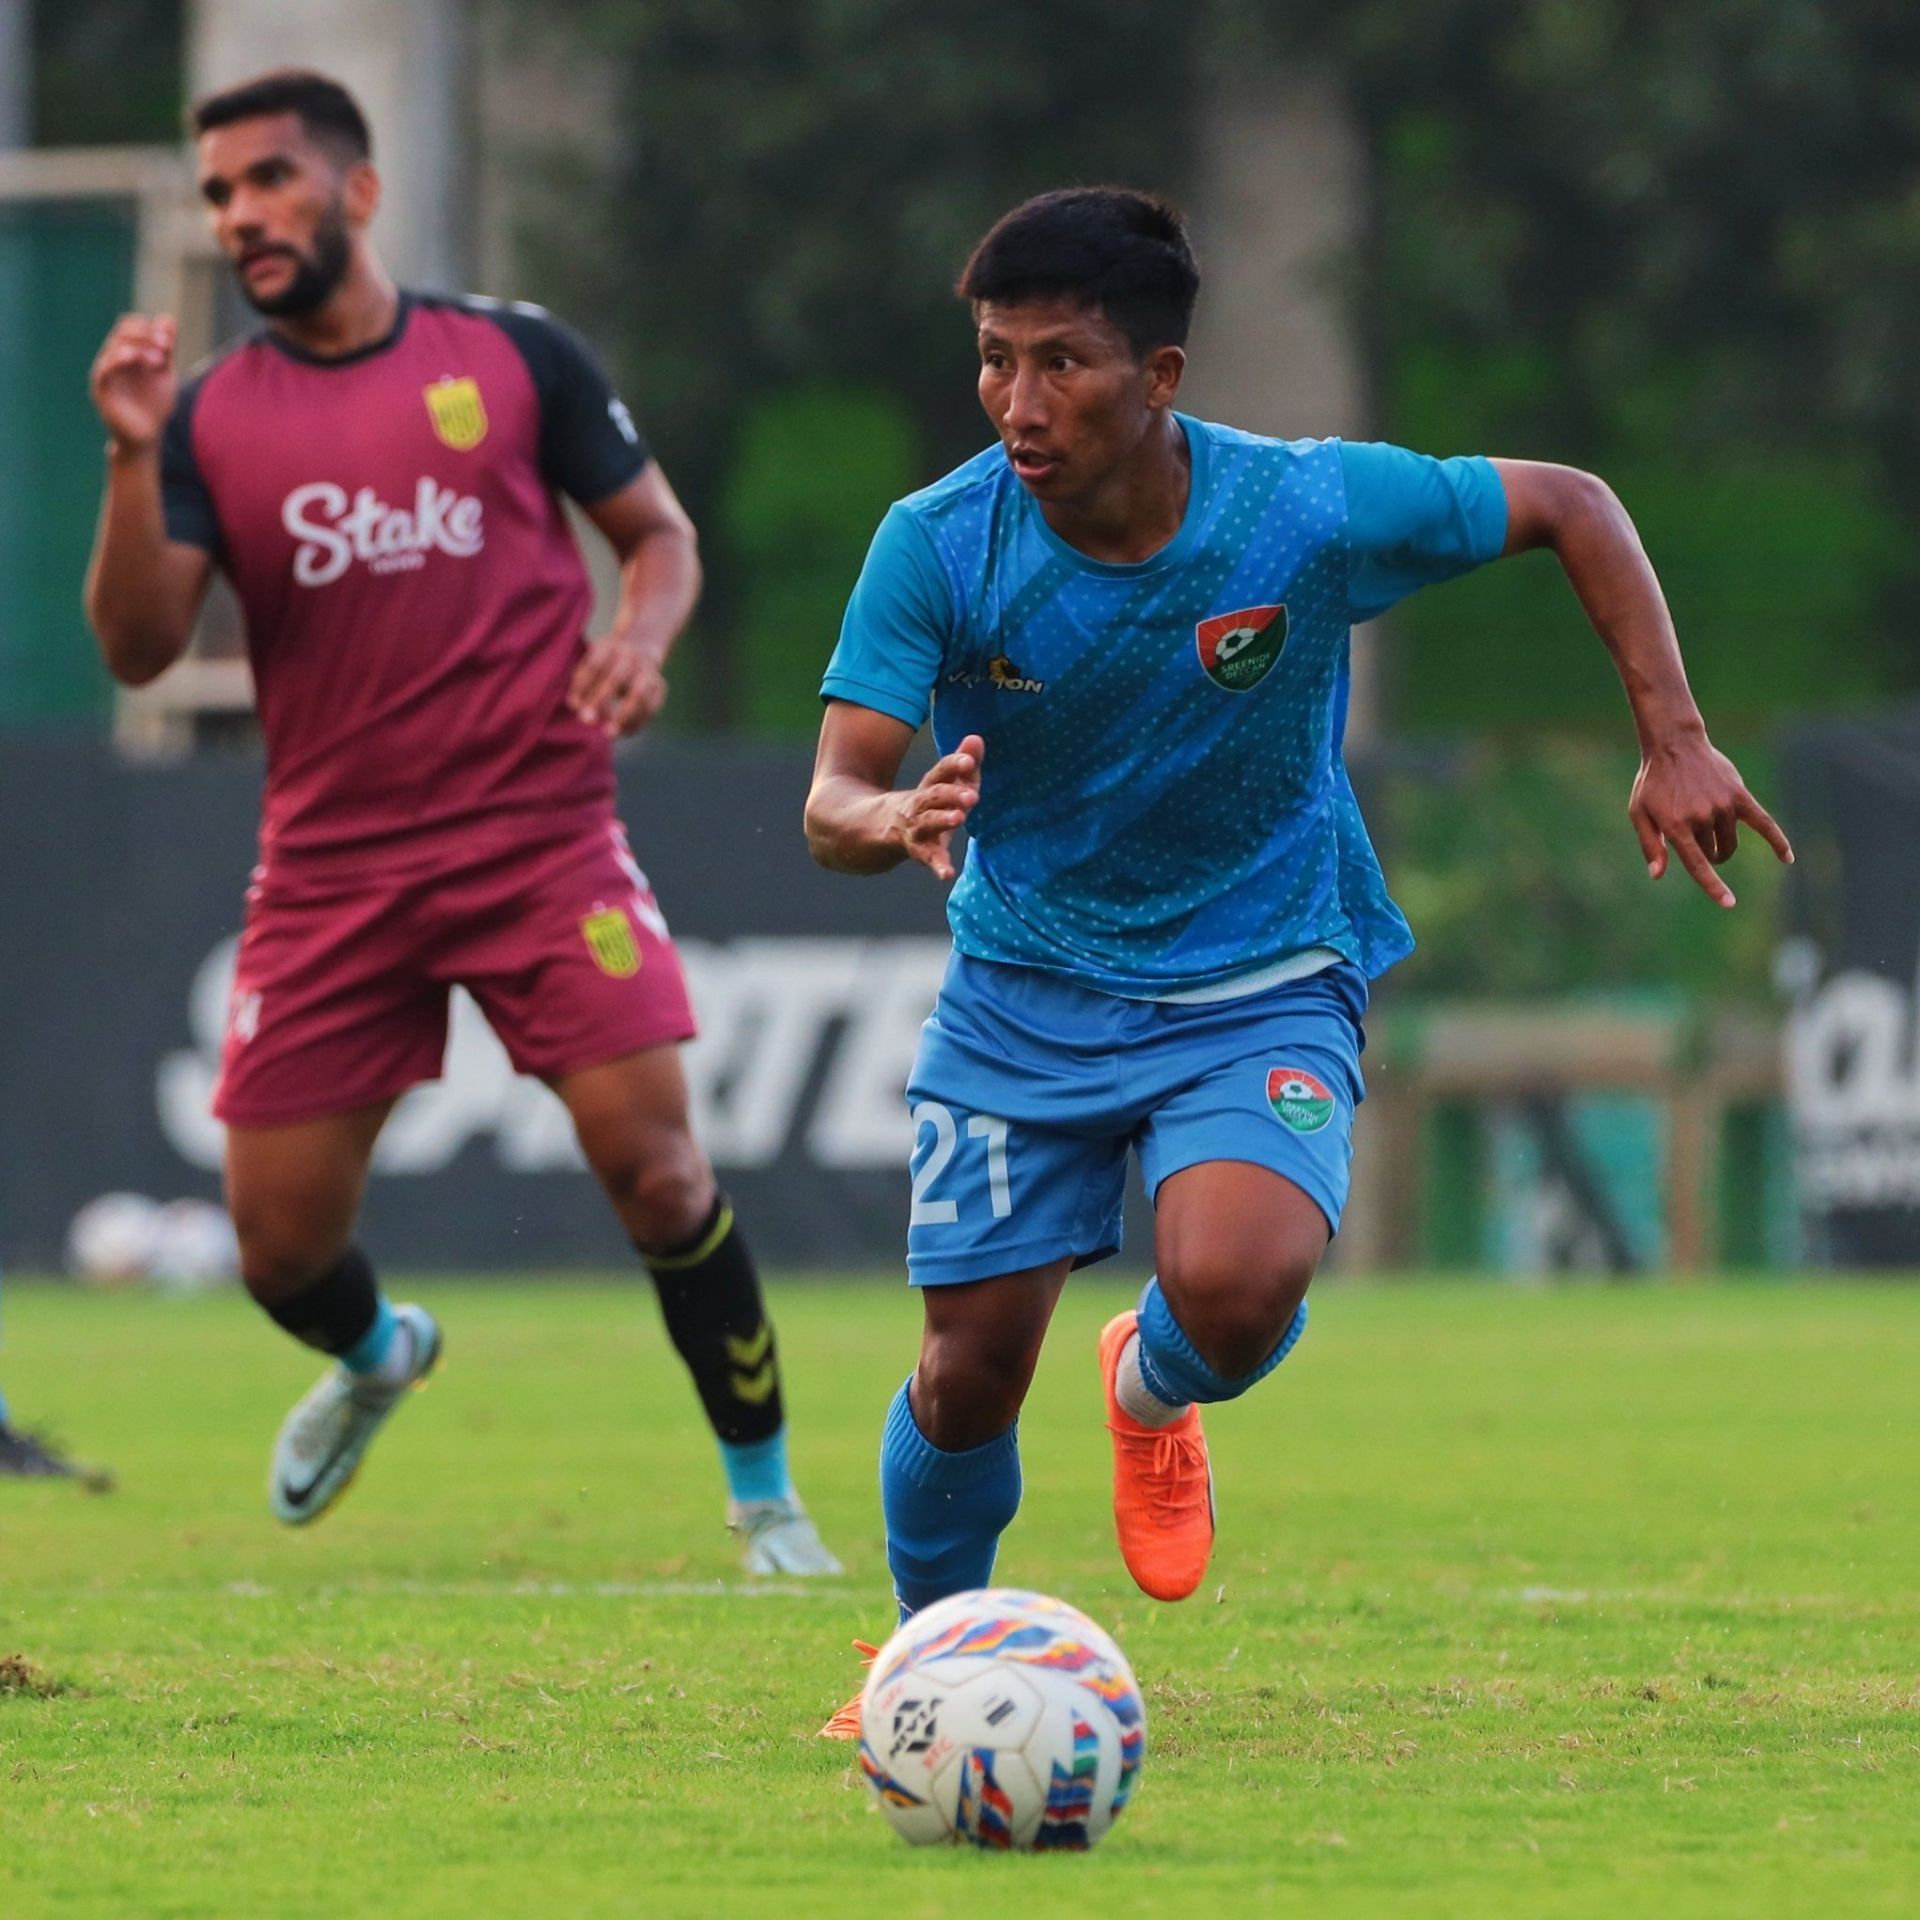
[[379, 474]]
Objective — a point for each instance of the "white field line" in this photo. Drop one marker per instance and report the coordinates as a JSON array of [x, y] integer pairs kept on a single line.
[[1679, 1597], [543, 1590]]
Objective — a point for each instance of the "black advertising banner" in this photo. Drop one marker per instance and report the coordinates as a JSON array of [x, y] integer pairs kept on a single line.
[[122, 889], [1851, 962]]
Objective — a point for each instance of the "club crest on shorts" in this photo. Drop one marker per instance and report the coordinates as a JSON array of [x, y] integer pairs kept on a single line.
[[1238, 649], [1301, 1101], [458, 413], [609, 937]]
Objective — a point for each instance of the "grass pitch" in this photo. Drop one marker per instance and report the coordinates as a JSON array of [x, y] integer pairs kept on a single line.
[[1579, 1602]]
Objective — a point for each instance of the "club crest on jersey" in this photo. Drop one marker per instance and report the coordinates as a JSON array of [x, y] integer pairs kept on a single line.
[[609, 937], [1301, 1101], [458, 413], [1238, 649]]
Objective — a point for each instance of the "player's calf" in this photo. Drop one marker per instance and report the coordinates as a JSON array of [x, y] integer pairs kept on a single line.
[[949, 1454], [717, 1319], [1228, 1322], [381, 1351], [1159, 1368]]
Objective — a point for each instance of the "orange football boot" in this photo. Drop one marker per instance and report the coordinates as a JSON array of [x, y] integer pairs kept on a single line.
[[845, 1725], [1162, 1486]]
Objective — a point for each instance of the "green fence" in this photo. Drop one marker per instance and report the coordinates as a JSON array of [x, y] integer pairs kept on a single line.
[[66, 272]]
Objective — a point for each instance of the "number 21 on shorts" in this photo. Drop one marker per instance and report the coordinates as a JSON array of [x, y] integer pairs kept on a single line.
[[928, 1212]]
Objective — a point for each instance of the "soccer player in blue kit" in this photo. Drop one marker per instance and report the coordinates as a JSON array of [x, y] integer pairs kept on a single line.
[[1131, 630]]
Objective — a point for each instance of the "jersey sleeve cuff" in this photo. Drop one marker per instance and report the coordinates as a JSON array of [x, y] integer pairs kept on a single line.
[[603, 486], [1486, 510], [191, 533], [863, 693]]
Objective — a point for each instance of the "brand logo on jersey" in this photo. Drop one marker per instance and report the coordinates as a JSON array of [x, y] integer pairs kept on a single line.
[[333, 532], [1001, 674], [1009, 679], [244, 1021], [1238, 649], [609, 937], [458, 413], [1300, 1100]]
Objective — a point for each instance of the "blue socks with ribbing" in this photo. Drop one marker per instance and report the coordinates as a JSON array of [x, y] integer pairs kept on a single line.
[[945, 1512], [1171, 1368]]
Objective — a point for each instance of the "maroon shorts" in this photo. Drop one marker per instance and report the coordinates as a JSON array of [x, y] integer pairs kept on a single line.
[[340, 994]]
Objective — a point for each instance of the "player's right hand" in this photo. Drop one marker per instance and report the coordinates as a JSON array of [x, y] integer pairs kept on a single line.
[[930, 813], [133, 381]]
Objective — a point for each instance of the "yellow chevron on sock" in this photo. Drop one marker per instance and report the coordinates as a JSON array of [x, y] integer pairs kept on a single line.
[[749, 1353], [756, 1388]]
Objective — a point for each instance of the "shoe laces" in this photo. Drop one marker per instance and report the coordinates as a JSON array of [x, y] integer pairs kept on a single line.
[[1178, 1455], [1178, 1459], [757, 1517], [322, 1421]]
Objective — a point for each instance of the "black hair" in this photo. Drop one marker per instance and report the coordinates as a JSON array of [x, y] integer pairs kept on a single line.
[[1114, 248], [328, 112]]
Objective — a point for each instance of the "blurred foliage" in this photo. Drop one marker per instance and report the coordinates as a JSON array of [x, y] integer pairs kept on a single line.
[[818, 466], [1521, 874], [1777, 572], [794, 193], [1680, 245], [107, 72]]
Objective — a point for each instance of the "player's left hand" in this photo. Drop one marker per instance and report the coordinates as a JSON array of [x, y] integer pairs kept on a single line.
[[1689, 795], [617, 687]]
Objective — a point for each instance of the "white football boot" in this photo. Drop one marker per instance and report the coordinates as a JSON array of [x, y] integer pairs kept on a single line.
[[779, 1537], [323, 1440]]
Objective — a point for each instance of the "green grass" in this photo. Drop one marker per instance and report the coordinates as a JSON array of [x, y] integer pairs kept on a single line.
[[1575, 1602]]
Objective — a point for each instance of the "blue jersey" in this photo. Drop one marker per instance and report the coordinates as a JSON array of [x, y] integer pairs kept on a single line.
[[1163, 804]]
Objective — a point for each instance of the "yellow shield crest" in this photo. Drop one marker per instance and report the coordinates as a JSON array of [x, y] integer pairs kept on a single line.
[[609, 937], [458, 413]]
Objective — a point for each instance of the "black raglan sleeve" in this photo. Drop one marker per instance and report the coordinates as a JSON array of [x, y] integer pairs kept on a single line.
[[589, 446], [186, 505]]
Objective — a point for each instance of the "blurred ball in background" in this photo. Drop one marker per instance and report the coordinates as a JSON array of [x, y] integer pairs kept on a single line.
[[127, 1239]]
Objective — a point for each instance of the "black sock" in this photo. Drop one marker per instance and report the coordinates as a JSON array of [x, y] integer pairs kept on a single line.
[[336, 1311], [718, 1324]]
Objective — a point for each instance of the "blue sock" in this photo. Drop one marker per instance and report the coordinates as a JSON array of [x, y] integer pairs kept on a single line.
[[366, 1353], [757, 1469], [945, 1511], [1172, 1367]]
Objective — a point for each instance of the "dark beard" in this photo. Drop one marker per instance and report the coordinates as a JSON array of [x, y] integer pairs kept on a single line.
[[315, 274]]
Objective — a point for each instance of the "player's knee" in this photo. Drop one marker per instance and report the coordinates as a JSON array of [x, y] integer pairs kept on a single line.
[[276, 1261], [967, 1391], [664, 1198], [1235, 1316]]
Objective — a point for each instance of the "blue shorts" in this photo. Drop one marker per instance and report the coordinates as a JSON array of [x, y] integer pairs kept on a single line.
[[1028, 1091]]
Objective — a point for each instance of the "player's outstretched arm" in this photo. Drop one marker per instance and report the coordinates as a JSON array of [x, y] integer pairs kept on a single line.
[[1688, 795], [858, 822], [143, 590], [621, 681]]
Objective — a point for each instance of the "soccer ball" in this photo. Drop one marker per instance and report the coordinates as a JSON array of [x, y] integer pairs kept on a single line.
[[112, 1240], [1003, 1719], [195, 1249]]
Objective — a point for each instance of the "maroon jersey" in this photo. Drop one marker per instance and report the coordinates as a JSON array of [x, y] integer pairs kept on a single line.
[[415, 601]]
